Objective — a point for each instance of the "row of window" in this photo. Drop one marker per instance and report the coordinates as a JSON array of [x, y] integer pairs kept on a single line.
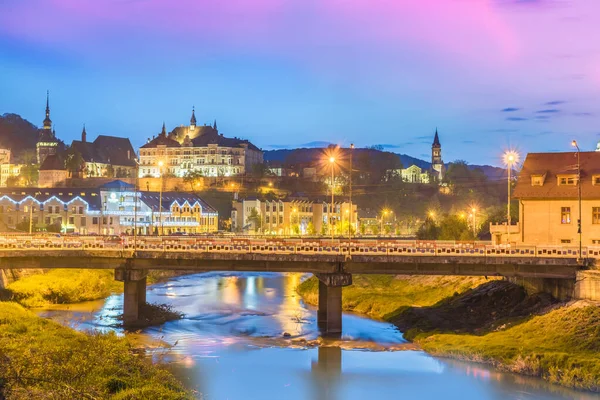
[[48, 209], [565, 215]]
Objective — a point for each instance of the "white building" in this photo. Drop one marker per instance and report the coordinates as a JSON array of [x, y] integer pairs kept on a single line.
[[201, 149]]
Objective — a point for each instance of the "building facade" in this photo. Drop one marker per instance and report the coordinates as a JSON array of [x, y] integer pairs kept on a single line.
[[197, 149], [548, 194], [52, 172], [292, 217], [108, 210], [107, 156], [414, 174]]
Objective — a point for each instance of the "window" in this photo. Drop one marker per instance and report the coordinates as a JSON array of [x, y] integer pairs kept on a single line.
[[596, 180], [595, 215], [95, 220], [47, 220], [537, 180], [83, 221], [565, 241], [72, 220], [281, 219], [267, 219], [565, 215], [567, 180]]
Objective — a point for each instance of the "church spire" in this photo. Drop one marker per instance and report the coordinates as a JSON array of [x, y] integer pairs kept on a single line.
[[436, 139], [164, 130], [215, 125], [193, 119], [83, 134], [47, 121]]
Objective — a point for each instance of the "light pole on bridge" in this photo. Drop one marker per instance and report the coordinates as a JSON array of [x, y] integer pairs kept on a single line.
[[574, 144]]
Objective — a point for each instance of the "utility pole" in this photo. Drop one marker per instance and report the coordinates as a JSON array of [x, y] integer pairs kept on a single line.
[[351, 209], [574, 144]]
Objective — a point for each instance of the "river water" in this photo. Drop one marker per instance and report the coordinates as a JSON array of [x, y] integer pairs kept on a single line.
[[231, 345]]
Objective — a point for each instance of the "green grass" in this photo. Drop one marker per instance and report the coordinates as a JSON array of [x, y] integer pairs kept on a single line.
[[384, 296], [63, 286], [562, 346], [42, 359]]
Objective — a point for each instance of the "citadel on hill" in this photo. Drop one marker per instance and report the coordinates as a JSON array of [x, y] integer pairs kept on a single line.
[[198, 150]]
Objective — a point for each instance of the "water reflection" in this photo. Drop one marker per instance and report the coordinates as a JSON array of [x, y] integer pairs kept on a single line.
[[230, 345]]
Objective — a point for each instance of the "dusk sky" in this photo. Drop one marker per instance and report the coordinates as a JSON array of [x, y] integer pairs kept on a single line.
[[490, 74]]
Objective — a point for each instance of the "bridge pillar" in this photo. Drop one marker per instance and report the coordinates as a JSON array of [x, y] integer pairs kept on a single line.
[[329, 313], [134, 292]]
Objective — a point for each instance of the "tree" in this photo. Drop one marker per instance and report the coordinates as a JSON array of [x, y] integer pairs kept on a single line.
[[191, 178], [255, 219], [453, 227], [73, 161], [110, 171], [29, 174], [324, 227], [428, 231], [310, 229], [363, 228]]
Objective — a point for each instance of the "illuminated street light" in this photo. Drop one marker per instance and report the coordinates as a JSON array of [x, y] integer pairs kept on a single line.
[[510, 158], [332, 163], [160, 165], [574, 144]]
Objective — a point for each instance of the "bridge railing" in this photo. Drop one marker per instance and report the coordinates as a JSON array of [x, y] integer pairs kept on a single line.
[[382, 247]]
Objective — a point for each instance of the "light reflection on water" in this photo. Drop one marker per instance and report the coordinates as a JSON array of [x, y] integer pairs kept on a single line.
[[230, 346]]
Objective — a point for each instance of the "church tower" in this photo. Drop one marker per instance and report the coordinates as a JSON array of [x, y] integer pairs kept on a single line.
[[47, 143], [437, 165]]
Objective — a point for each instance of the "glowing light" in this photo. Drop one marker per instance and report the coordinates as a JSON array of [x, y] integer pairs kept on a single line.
[[511, 157], [332, 159]]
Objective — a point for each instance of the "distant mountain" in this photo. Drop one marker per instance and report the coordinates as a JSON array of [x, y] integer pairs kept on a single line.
[[17, 134], [407, 161]]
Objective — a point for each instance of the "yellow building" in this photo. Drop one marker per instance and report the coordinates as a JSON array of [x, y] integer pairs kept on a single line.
[[548, 194]]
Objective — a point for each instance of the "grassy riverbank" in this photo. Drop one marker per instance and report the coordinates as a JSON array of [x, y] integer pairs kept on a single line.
[[384, 296], [490, 323], [562, 346], [64, 286], [42, 359]]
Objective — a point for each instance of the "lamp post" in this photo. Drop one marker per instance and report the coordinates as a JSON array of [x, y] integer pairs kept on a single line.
[[474, 214], [31, 213], [160, 165], [135, 204], [383, 214], [574, 144], [332, 163], [350, 220], [510, 159]]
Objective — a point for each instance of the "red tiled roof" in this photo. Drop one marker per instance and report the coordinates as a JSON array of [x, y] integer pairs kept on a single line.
[[552, 165]]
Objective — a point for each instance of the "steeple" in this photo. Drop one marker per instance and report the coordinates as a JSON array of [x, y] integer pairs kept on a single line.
[[215, 125], [193, 119], [163, 133], [47, 121], [436, 139], [83, 134]]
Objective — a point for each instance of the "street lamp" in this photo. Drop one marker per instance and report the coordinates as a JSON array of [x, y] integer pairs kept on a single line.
[[350, 173], [160, 165], [574, 144], [31, 212], [385, 212], [135, 204], [510, 159], [474, 214], [332, 163]]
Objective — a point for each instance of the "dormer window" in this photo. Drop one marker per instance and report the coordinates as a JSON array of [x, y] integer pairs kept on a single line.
[[537, 180], [567, 180], [596, 180]]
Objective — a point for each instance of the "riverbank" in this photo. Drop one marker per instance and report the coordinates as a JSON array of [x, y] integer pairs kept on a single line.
[[485, 322], [41, 358]]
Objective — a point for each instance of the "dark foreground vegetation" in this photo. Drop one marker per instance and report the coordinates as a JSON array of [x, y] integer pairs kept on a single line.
[[487, 322], [40, 359]]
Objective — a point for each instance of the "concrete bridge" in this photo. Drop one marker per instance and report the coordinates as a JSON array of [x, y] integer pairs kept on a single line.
[[551, 269]]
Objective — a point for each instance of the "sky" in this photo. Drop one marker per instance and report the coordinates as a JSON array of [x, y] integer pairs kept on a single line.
[[489, 74]]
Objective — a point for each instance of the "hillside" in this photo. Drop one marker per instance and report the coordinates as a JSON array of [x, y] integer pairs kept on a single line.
[[17, 134], [308, 155]]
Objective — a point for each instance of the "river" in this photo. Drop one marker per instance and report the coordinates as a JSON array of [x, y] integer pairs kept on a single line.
[[231, 345]]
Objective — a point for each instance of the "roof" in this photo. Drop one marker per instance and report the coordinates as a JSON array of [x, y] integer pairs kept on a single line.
[[118, 184], [553, 164], [64, 195], [161, 140], [436, 139], [181, 132], [106, 150], [53, 162], [152, 200], [220, 140]]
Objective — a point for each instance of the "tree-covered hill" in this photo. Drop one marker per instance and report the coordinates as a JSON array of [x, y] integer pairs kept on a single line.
[[17, 134]]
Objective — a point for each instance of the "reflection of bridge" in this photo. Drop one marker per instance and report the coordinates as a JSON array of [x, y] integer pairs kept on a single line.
[[550, 268]]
